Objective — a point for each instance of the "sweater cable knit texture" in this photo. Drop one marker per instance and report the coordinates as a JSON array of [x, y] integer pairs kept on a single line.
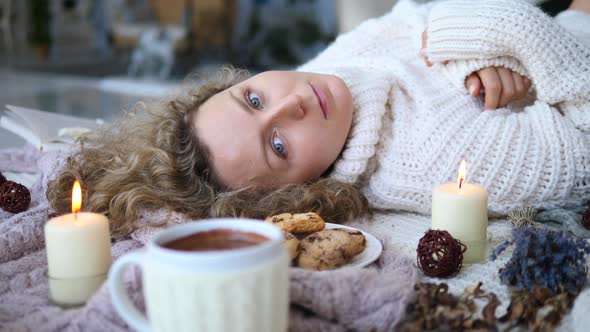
[[412, 124]]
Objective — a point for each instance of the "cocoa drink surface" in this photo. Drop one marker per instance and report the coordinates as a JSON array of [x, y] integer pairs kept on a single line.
[[217, 239]]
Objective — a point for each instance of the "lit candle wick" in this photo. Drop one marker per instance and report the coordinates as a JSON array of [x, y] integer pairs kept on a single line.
[[461, 173], [76, 199]]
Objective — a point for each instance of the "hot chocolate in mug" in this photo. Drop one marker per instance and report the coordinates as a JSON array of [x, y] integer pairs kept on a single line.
[[213, 275]]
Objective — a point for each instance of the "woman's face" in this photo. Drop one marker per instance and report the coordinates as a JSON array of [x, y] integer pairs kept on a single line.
[[277, 127]]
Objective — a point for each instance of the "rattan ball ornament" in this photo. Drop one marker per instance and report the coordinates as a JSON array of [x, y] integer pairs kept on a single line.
[[14, 197], [2, 179], [586, 219], [439, 254]]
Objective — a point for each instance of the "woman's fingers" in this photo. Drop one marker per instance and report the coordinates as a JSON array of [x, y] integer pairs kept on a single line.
[[490, 79], [528, 82], [502, 86], [523, 84], [473, 84], [519, 86], [527, 85], [508, 86]]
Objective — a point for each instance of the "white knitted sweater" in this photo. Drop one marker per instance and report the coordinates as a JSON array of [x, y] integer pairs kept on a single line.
[[412, 124]]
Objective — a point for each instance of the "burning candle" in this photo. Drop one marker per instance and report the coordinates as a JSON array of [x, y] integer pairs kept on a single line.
[[78, 253], [461, 208]]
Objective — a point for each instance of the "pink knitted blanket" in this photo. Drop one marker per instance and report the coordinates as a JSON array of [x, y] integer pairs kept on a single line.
[[372, 298]]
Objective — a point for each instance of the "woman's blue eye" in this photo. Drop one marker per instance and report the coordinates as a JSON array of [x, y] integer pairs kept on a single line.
[[254, 100], [278, 146]]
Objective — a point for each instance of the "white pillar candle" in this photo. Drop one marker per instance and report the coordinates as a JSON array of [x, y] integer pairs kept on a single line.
[[462, 210], [78, 254]]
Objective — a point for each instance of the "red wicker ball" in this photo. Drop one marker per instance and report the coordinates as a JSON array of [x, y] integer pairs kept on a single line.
[[586, 219], [14, 197], [2, 179], [439, 254]]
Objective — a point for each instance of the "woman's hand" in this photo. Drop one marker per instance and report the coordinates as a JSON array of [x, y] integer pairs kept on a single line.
[[501, 86]]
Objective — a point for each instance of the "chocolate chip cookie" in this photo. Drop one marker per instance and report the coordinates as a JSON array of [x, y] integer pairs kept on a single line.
[[330, 248], [292, 245], [298, 223]]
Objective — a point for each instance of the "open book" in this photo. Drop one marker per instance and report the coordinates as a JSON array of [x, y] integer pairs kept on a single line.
[[45, 130]]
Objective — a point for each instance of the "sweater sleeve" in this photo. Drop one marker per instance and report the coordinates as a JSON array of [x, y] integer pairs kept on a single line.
[[557, 63]]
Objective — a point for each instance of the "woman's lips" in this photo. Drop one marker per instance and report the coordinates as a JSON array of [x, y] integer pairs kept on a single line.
[[322, 99]]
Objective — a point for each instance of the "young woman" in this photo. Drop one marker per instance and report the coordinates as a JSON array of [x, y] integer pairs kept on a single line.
[[367, 117]]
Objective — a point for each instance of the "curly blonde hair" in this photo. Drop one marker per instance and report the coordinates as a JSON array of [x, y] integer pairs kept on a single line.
[[154, 159]]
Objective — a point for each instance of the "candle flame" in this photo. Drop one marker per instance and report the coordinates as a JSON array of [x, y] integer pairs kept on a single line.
[[76, 197], [462, 173]]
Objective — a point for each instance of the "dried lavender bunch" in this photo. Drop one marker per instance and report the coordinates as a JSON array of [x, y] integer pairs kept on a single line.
[[544, 257]]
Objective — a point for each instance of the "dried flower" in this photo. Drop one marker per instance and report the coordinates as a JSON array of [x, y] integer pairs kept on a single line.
[[540, 309], [523, 217], [436, 309], [544, 257]]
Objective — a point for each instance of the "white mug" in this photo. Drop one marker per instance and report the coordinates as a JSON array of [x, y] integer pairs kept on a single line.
[[243, 289]]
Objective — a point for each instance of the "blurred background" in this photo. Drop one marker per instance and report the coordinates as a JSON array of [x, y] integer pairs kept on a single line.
[[94, 58]]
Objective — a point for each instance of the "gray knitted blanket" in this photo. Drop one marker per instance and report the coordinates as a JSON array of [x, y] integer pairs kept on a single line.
[[372, 298]]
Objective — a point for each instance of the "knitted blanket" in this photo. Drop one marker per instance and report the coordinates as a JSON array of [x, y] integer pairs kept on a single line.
[[372, 298]]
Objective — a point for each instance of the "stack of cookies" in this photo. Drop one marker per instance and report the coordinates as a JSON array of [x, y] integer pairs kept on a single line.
[[313, 247]]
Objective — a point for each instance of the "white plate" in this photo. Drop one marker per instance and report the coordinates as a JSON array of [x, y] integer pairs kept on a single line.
[[371, 252]]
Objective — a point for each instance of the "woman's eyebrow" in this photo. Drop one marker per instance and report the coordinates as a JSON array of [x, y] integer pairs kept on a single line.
[[241, 103]]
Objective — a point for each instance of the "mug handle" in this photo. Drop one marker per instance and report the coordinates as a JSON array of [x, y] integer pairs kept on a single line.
[[119, 296]]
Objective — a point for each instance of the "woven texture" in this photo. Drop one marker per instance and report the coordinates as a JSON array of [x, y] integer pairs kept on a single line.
[[14, 197], [412, 124], [439, 254]]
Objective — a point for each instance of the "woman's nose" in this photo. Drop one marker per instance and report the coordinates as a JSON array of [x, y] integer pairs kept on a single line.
[[290, 106]]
